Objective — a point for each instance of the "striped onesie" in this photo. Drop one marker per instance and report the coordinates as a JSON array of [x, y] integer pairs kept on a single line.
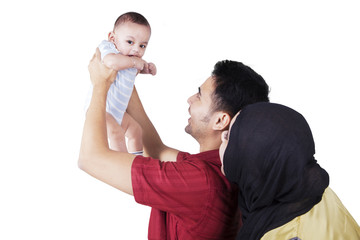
[[120, 91]]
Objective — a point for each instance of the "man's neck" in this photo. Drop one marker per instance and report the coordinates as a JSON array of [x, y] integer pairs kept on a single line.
[[209, 146]]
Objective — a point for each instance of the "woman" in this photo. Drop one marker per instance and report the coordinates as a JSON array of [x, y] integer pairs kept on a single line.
[[283, 192]]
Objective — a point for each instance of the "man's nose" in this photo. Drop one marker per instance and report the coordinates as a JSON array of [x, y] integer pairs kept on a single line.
[[190, 99]]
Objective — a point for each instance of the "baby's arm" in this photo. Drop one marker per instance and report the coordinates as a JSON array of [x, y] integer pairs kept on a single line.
[[120, 62]]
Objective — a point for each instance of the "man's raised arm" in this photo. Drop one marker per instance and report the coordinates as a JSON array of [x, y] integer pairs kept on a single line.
[[113, 168], [153, 146]]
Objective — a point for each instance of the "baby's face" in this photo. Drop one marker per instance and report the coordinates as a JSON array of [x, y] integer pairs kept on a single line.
[[131, 39]]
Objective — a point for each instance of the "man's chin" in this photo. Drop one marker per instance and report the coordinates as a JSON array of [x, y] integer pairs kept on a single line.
[[188, 129]]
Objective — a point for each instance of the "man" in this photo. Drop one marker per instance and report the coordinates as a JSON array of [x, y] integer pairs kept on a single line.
[[189, 196]]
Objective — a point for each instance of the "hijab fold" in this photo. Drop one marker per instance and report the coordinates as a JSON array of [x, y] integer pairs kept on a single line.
[[270, 156]]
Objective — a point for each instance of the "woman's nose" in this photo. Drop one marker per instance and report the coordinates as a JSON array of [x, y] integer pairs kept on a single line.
[[225, 136]]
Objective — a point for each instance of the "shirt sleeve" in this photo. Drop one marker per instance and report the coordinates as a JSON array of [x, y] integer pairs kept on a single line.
[[107, 47], [177, 187]]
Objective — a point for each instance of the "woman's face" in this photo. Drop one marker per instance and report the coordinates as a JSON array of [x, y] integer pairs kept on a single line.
[[224, 142]]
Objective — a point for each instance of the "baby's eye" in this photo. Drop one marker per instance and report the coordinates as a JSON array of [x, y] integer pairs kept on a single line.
[[143, 46], [130, 42]]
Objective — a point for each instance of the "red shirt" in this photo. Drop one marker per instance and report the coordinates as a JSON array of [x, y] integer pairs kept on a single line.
[[190, 198]]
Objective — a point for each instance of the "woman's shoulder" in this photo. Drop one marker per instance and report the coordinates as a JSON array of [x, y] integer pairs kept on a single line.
[[329, 219]]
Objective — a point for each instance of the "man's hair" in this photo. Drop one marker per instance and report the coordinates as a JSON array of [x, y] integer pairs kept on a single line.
[[237, 85], [133, 17]]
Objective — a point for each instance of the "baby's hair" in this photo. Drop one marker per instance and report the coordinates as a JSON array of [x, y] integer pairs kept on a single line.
[[131, 17]]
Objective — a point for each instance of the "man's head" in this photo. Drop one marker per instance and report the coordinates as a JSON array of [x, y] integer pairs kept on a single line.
[[131, 34], [237, 85], [231, 86]]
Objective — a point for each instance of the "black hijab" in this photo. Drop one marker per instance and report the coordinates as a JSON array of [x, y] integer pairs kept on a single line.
[[270, 156]]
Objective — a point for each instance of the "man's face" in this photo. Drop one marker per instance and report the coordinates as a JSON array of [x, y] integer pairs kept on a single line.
[[131, 39], [200, 111]]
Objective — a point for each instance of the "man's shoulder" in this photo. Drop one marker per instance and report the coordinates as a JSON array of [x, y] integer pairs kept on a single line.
[[204, 159]]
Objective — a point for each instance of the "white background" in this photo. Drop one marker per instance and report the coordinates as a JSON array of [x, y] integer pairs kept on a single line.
[[307, 51]]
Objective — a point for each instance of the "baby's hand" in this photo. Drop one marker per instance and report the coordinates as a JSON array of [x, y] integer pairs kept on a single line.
[[149, 69], [139, 64], [152, 69]]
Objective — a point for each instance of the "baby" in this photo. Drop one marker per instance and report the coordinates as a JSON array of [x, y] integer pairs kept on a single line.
[[123, 52]]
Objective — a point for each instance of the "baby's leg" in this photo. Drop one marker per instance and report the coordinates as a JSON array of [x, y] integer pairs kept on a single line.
[[133, 132], [115, 134]]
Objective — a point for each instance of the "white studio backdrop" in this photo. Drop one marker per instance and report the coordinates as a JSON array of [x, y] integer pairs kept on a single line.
[[307, 51]]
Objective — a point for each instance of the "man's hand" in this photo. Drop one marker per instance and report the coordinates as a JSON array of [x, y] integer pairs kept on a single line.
[[99, 73]]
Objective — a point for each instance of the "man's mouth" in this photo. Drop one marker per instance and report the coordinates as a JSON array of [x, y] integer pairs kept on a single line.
[[189, 110]]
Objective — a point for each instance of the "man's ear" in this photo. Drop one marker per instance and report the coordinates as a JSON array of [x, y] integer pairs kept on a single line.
[[111, 37], [222, 121]]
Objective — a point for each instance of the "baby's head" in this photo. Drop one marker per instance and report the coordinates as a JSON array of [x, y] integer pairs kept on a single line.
[[131, 34]]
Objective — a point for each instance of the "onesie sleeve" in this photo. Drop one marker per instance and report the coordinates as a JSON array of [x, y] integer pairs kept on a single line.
[[107, 47]]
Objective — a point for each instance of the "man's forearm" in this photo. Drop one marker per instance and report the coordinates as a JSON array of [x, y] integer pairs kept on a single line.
[[94, 138], [111, 167], [153, 145]]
